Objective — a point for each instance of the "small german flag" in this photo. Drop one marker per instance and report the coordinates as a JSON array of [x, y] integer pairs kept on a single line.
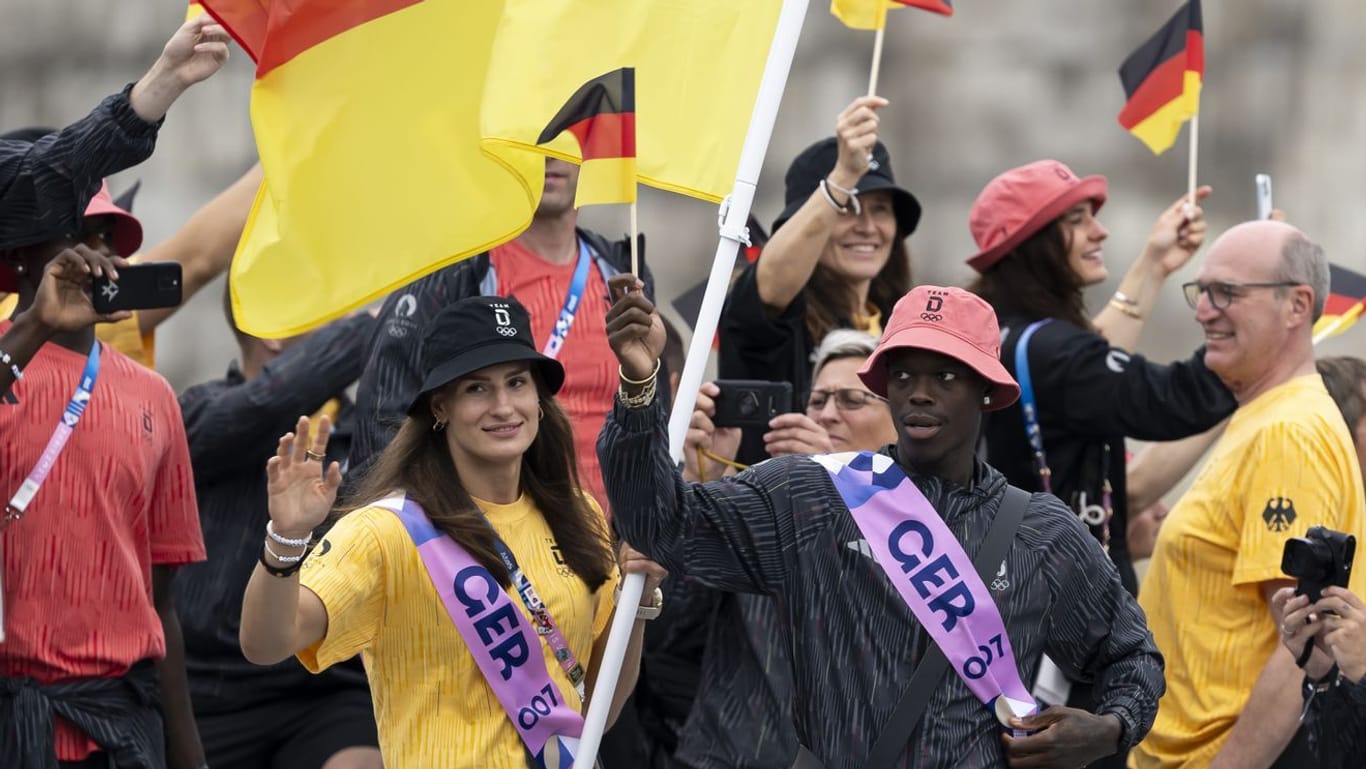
[[872, 14], [602, 116], [1162, 80], [1346, 301]]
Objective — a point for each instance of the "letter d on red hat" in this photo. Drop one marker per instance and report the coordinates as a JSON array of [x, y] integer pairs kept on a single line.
[[949, 321]]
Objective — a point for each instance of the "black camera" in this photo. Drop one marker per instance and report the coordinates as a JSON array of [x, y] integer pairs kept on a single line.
[[1321, 558]]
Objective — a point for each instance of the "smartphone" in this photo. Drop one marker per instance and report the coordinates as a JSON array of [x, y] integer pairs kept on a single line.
[[144, 286], [750, 403], [1263, 196]]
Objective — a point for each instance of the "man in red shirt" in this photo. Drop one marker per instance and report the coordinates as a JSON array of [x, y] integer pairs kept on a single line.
[[568, 319], [101, 511]]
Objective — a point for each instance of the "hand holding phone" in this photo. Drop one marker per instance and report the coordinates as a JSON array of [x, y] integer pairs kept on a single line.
[[750, 403], [145, 286]]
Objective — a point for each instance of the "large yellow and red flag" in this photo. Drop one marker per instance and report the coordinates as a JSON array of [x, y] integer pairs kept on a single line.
[[872, 14], [371, 118], [1162, 80]]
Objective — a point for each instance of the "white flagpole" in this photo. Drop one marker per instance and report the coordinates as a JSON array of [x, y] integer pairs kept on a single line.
[[734, 213], [877, 56], [1190, 171]]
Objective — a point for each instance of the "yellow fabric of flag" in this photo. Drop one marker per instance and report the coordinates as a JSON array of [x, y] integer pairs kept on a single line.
[[862, 14], [407, 142], [697, 69], [373, 170]]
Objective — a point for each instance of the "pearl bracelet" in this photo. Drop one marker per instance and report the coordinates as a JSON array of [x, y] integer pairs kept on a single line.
[[286, 541]]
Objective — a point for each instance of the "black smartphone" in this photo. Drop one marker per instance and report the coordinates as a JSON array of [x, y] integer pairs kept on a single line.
[[750, 403], [139, 287]]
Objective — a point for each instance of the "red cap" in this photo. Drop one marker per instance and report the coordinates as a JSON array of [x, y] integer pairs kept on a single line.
[[952, 322], [127, 228], [1022, 201], [127, 233]]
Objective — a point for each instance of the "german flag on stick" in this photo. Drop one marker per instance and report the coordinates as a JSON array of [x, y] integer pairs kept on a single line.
[[1162, 80], [872, 14], [1346, 301], [602, 116]]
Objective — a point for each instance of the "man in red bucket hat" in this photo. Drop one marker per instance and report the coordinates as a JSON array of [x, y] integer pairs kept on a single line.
[[893, 567], [103, 507]]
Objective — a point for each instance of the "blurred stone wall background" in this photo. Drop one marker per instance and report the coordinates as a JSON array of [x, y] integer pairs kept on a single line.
[[999, 84]]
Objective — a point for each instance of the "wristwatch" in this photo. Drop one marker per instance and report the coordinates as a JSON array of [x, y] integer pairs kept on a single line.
[[653, 610]]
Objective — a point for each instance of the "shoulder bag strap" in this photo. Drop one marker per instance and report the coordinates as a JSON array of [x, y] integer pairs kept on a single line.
[[931, 669]]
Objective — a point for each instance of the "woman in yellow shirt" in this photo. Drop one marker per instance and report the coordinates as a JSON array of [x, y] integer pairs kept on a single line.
[[472, 549]]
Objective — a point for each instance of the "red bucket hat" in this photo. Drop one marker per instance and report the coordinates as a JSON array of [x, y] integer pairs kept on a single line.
[[127, 233], [952, 322], [1022, 201]]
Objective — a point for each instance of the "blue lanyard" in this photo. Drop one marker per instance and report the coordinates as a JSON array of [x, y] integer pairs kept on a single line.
[[540, 617], [74, 409], [1031, 419], [571, 303]]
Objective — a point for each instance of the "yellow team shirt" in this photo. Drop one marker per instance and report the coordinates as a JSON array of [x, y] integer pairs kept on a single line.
[[1286, 463], [432, 705]]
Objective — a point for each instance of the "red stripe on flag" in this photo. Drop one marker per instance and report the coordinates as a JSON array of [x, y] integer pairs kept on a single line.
[[1339, 304], [276, 32], [936, 6], [606, 135], [1195, 51], [1163, 85]]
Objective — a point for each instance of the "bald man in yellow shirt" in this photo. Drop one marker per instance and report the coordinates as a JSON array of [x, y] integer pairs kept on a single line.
[[1285, 463]]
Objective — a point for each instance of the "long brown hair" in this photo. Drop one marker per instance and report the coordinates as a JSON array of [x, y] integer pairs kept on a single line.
[[830, 301], [1036, 281], [418, 462]]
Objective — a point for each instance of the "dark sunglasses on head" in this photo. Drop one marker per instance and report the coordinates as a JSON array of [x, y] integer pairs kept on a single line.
[[1222, 294], [846, 399]]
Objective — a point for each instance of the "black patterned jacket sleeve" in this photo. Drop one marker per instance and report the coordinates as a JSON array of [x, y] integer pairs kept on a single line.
[[729, 535], [229, 427], [46, 185]]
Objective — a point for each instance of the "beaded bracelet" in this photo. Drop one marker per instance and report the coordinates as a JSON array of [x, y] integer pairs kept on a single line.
[[286, 541], [277, 571]]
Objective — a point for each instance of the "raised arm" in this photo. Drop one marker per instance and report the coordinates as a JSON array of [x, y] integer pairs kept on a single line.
[[220, 422], [1174, 239], [733, 535], [205, 244], [45, 185], [62, 303], [791, 255]]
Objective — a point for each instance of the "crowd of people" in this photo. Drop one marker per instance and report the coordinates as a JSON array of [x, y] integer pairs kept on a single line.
[[926, 561]]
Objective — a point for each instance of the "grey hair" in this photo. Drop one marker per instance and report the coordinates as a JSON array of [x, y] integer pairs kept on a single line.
[[842, 343], [1303, 261]]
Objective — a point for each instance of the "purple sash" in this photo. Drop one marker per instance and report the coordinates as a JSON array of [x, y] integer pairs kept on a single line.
[[933, 574], [506, 649]]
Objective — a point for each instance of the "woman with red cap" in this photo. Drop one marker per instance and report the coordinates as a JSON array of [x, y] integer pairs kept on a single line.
[[837, 259], [1083, 392]]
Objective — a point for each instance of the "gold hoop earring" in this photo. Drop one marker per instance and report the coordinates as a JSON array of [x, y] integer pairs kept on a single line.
[[438, 425]]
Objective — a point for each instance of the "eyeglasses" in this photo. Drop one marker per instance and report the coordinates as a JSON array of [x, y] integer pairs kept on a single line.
[[846, 399], [1221, 295]]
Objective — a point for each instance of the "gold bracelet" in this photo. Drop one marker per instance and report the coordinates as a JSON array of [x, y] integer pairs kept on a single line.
[[622, 375], [1126, 309]]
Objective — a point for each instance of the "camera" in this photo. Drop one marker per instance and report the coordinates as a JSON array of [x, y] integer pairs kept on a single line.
[[1321, 558]]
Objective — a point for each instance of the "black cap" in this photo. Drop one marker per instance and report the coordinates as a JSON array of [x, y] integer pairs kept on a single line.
[[476, 333], [817, 161]]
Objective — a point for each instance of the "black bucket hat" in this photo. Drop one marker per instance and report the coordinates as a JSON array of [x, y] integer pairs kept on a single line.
[[476, 333], [817, 161]]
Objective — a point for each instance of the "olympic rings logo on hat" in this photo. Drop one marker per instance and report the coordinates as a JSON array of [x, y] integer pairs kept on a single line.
[[931, 316], [504, 320], [507, 331]]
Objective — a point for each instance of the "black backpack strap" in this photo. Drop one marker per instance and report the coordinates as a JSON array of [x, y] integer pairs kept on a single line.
[[925, 680]]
